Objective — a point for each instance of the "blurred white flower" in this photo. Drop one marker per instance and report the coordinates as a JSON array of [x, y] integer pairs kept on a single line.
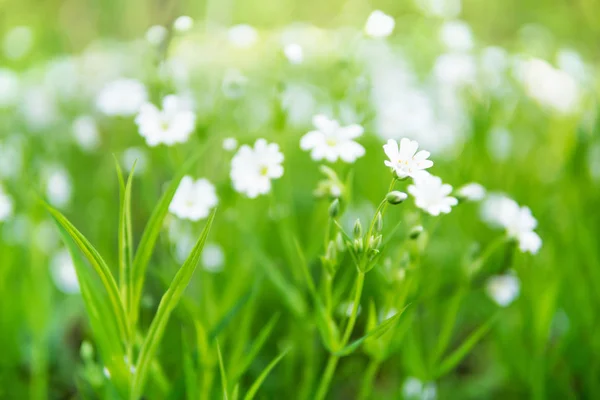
[[331, 141], [58, 186], [193, 200], [494, 63], [135, 155], [294, 53], [471, 192], [414, 389], [39, 107], [379, 24], [156, 34], [173, 124], [9, 87], [11, 156], [242, 35], [18, 42], [213, 258], [63, 273], [230, 144], [455, 69], [234, 84], [6, 205], [183, 23], [571, 62], [404, 159], [456, 35], [122, 97], [431, 195], [252, 169], [503, 289], [499, 143], [499, 210], [85, 132], [552, 88]]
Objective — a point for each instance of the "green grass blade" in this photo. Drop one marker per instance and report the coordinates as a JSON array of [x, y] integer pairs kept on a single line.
[[121, 230], [228, 317], [256, 385], [150, 236], [167, 304], [263, 335], [224, 383], [375, 333], [99, 265], [457, 355]]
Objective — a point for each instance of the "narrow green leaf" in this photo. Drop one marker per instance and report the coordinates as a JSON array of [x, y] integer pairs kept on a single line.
[[236, 392], [224, 384], [457, 355], [99, 266], [229, 315], [150, 235], [448, 323], [256, 385], [375, 333], [167, 304], [263, 335]]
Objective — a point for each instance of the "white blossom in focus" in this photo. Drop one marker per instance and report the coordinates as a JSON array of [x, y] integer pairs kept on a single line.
[[193, 200], [404, 158], [63, 273], [331, 141], [471, 192], [6, 205], [499, 210], [85, 132], [503, 289], [173, 124], [431, 195], [122, 97], [379, 24], [253, 168]]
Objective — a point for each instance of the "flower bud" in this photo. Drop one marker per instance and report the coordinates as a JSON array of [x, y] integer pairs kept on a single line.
[[334, 208], [415, 232], [396, 197], [378, 222], [357, 229], [375, 242], [339, 241], [331, 253], [358, 245]]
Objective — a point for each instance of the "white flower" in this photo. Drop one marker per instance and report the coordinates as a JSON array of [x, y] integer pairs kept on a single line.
[[331, 141], [213, 258], [85, 132], [122, 97], [552, 88], [294, 53], [379, 24], [63, 273], [503, 289], [230, 144], [6, 205], [193, 200], [499, 210], [156, 34], [431, 195], [173, 124], [404, 159], [242, 35], [183, 23], [58, 186], [253, 168], [457, 36], [471, 192], [9, 87], [414, 389]]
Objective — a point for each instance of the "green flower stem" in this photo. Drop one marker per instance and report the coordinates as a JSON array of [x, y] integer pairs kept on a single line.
[[368, 378]]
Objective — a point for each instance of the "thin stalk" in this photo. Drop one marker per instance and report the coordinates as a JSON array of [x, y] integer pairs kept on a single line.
[[368, 378]]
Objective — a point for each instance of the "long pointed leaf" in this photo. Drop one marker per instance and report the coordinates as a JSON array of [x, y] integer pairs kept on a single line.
[[99, 266], [457, 355], [167, 304], [224, 383], [375, 333], [256, 385], [150, 235]]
